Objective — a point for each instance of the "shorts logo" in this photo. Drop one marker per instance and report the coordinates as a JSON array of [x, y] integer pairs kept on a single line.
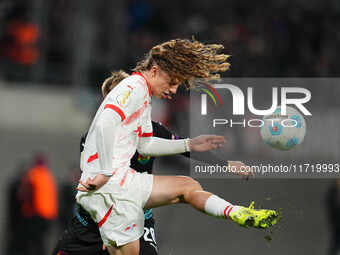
[[143, 159], [130, 227], [122, 99]]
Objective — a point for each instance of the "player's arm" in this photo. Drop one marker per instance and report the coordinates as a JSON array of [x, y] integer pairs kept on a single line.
[[104, 131], [206, 156], [155, 146], [119, 106]]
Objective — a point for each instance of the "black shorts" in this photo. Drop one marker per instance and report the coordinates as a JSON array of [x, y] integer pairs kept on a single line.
[[82, 237]]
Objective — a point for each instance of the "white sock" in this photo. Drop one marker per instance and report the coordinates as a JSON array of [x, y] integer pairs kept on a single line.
[[218, 207]]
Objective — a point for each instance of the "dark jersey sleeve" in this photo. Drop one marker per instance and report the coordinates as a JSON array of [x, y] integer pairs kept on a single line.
[[207, 157], [82, 142], [160, 131]]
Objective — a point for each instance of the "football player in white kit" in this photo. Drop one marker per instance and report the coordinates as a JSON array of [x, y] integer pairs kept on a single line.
[[114, 194]]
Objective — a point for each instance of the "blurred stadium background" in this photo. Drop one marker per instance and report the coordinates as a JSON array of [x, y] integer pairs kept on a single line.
[[54, 56]]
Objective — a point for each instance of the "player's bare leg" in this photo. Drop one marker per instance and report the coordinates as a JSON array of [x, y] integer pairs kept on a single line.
[[127, 249], [175, 189]]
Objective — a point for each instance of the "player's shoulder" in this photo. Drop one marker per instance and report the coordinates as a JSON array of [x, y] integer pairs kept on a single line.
[[129, 92], [134, 85], [134, 82]]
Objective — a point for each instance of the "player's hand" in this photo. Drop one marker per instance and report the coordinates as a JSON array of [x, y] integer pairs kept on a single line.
[[206, 142], [93, 184], [239, 168]]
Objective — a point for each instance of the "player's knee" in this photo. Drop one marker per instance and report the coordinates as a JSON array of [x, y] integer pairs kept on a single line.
[[189, 187], [189, 183], [194, 185]]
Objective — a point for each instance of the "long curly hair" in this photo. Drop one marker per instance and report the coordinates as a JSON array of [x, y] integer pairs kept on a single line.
[[185, 60]]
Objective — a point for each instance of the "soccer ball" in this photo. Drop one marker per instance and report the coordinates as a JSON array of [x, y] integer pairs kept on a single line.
[[283, 132]]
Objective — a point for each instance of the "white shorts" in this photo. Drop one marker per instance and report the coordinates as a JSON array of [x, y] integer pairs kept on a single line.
[[117, 207]]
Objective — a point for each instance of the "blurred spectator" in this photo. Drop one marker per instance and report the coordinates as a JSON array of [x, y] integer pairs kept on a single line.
[[33, 208], [19, 42], [79, 38], [21, 47]]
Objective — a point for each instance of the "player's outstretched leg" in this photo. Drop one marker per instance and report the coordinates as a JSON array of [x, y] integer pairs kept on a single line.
[[175, 189]]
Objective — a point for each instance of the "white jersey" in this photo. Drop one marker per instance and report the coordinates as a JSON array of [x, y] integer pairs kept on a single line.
[[121, 121], [123, 117]]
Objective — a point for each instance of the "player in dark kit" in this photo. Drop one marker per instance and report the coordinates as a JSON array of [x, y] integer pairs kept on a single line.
[[82, 235]]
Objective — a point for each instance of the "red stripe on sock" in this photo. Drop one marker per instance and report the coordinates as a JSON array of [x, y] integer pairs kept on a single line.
[[226, 210]]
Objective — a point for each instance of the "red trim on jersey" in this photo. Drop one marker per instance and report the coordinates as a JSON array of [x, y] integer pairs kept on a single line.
[[102, 221], [147, 83], [140, 134], [125, 176], [139, 131], [115, 171], [147, 134], [116, 109], [136, 114], [92, 157], [124, 179]]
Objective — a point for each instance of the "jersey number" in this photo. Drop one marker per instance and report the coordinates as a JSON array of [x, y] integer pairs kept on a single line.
[[151, 237]]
